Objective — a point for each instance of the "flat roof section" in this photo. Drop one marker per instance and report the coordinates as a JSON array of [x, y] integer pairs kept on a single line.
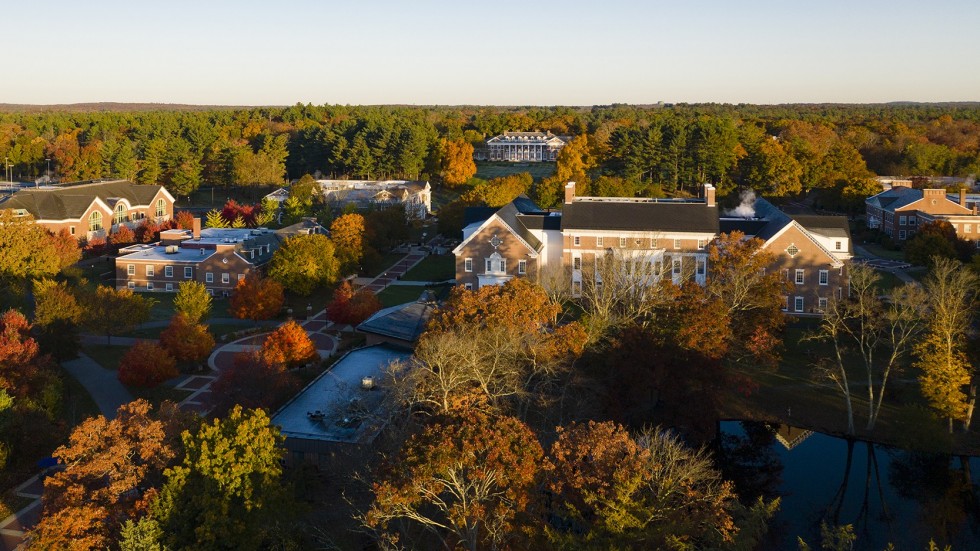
[[334, 407]]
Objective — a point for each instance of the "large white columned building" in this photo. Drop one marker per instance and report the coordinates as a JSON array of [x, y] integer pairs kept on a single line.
[[524, 146]]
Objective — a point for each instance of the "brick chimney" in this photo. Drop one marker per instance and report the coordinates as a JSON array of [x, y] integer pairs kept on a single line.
[[709, 195], [963, 197], [196, 229], [569, 192]]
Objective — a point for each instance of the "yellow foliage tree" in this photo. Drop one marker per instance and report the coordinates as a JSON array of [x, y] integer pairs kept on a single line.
[[347, 234], [457, 162]]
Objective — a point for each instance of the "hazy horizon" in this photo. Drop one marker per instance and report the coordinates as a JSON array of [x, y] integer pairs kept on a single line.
[[248, 53]]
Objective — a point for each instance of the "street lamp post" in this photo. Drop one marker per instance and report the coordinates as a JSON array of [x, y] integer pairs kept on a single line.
[[48, 172]]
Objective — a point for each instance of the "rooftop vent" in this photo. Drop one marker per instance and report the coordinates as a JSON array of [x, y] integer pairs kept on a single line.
[[171, 249]]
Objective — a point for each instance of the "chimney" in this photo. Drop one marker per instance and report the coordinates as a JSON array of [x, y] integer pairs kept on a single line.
[[963, 197], [569, 192], [709, 195], [196, 229]]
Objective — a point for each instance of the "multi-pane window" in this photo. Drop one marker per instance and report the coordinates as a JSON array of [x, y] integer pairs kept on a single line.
[[677, 243], [902, 220], [822, 304], [131, 269], [170, 286], [701, 266], [676, 267], [120, 216], [467, 264], [598, 241], [209, 277], [967, 228], [913, 220], [225, 278], [622, 241], [522, 267], [95, 221], [837, 245], [653, 242], [576, 240], [577, 263], [901, 234], [798, 304], [823, 277], [800, 277], [131, 285], [701, 243], [168, 271], [188, 272], [149, 271], [161, 207], [149, 285], [786, 304]]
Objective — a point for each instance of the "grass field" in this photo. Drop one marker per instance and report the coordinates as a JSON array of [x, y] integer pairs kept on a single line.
[[433, 268], [538, 171], [109, 356], [394, 295], [882, 252]]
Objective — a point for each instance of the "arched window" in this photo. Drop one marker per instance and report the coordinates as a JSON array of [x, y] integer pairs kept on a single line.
[[161, 207], [95, 221], [120, 214]]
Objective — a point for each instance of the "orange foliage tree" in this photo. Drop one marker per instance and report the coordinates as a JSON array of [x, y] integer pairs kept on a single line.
[[108, 466], [184, 220], [256, 298], [457, 162], [147, 365], [252, 383], [288, 346], [470, 480], [347, 234], [351, 307], [186, 340]]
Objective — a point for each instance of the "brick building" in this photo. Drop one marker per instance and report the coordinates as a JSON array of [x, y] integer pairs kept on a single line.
[[92, 209], [900, 211], [217, 257]]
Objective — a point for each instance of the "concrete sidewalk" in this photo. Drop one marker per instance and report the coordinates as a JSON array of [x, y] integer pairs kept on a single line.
[[101, 383]]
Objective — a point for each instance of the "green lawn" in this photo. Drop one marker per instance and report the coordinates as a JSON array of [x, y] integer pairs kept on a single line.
[[163, 310], [882, 252], [77, 404], [538, 171], [400, 294], [109, 357], [433, 268], [106, 356], [889, 281]]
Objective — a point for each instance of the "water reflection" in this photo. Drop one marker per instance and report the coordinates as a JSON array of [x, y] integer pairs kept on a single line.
[[888, 495]]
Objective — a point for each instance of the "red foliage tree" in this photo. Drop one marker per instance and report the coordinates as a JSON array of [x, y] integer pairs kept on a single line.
[[123, 236], [233, 209], [185, 340], [146, 365], [65, 248], [95, 246], [252, 383], [351, 307], [257, 298], [184, 220], [147, 231], [288, 346], [20, 360]]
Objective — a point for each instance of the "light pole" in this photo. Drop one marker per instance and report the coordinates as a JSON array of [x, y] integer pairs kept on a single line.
[[48, 172]]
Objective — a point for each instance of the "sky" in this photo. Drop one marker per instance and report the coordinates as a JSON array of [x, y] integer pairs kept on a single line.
[[492, 52]]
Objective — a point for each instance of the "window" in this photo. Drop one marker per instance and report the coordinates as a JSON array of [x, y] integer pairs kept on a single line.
[[792, 250], [188, 272], [577, 288], [577, 263], [210, 291], [913, 220], [676, 267], [837, 245], [902, 220], [131, 269], [823, 277], [225, 278], [677, 243], [785, 274], [786, 305], [241, 277], [489, 265], [901, 234], [71, 230], [120, 216], [800, 277], [701, 244], [598, 241], [967, 228], [149, 271], [467, 264], [622, 241], [822, 304], [653, 242], [798, 304], [576, 241], [503, 265], [149, 285], [131, 285], [522, 267], [209, 277], [168, 271], [468, 286], [978, 244], [95, 221], [161, 207], [701, 266], [170, 286]]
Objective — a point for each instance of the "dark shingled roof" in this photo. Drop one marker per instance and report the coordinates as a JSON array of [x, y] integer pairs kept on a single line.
[[70, 202], [541, 221], [830, 226], [513, 215], [640, 216], [895, 198], [405, 322], [745, 225], [477, 214]]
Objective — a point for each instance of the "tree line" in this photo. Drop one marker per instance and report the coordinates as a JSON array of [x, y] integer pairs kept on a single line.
[[777, 150]]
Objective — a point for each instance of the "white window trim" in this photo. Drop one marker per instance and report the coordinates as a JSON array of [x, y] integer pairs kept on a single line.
[[131, 285], [824, 277], [798, 304], [622, 242], [209, 277], [677, 244], [522, 267], [149, 285], [225, 278], [598, 241], [188, 272], [467, 264], [576, 241], [799, 277], [170, 286], [168, 271], [131, 269], [150, 271]]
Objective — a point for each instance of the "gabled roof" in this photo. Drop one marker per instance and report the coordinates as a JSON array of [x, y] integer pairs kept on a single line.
[[513, 215], [71, 201], [895, 198], [830, 226], [628, 215], [477, 214], [769, 222]]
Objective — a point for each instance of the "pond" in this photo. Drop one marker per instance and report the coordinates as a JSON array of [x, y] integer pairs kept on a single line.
[[887, 494]]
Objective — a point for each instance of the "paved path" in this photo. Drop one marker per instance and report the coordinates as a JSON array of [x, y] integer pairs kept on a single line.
[[116, 341], [211, 321], [101, 383], [12, 528], [884, 264]]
